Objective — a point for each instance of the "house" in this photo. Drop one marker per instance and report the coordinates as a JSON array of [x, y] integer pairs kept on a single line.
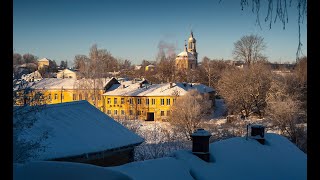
[[56, 90], [233, 158], [141, 100], [150, 68], [34, 76], [44, 62], [79, 132], [67, 73]]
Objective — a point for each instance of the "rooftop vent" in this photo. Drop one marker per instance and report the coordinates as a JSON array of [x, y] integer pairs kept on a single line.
[[171, 84], [200, 144], [123, 85]]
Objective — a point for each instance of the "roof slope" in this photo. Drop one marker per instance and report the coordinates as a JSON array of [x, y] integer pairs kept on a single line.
[[238, 158], [76, 128], [134, 89]]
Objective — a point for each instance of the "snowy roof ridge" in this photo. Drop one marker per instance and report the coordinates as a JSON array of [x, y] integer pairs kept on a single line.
[[66, 104]]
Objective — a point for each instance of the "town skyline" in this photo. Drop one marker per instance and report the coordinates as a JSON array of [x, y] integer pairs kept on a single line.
[[60, 30]]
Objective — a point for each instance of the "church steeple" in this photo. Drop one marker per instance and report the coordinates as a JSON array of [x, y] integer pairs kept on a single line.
[[192, 45]]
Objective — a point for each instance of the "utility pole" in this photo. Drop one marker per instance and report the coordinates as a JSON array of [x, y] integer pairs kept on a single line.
[[61, 95]]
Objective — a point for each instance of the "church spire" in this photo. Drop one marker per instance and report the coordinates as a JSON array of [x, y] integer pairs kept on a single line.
[[185, 46]]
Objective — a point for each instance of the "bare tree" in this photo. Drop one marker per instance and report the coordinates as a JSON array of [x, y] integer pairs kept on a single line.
[[188, 111], [244, 90], [212, 70], [249, 49], [278, 10], [24, 116]]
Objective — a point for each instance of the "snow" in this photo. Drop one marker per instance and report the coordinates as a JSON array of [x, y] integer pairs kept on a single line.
[[50, 170], [67, 83], [234, 158], [238, 158], [157, 169], [76, 128], [134, 89], [201, 132]]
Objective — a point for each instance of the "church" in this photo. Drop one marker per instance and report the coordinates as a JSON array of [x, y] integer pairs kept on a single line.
[[188, 59]]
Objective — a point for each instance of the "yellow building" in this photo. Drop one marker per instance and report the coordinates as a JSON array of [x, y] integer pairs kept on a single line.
[[44, 62], [56, 90], [144, 101], [188, 59]]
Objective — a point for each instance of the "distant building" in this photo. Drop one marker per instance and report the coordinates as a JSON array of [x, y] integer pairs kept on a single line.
[[79, 132], [150, 67], [188, 59], [67, 73], [144, 101], [34, 76], [138, 67], [44, 62]]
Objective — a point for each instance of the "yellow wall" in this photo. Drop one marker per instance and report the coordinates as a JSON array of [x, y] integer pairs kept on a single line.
[[144, 108], [54, 96]]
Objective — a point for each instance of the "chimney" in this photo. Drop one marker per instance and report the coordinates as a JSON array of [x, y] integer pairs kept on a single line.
[[171, 85], [123, 85], [200, 144], [140, 85], [257, 133]]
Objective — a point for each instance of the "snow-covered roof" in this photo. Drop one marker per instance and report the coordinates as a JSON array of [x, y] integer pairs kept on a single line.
[[66, 71], [51, 170], [238, 158], [186, 54], [128, 88], [234, 158], [43, 59], [76, 128], [67, 83]]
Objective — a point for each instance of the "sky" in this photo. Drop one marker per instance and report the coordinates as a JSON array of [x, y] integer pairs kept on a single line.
[[133, 29]]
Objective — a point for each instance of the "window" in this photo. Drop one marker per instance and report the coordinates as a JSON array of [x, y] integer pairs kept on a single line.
[[168, 102], [147, 101], [92, 98], [109, 101], [130, 112], [168, 113], [130, 100], [122, 100], [115, 101], [49, 96], [55, 96], [109, 112], [122, 112], [99, 97], [74, 97], [153, 101], [62, 96], [115, 112], [139, 100], [173, 101], [162, 113], [80, 96], [86, 96], [139, 113], [162, 102]]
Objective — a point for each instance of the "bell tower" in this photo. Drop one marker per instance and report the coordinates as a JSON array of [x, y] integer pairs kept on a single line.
[[192, 46]]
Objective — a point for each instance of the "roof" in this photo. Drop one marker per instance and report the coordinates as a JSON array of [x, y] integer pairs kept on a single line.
[[66, 71], [44, 59], [76, 128], [186, 54], [234, 158], [128, 88], [67, 83]]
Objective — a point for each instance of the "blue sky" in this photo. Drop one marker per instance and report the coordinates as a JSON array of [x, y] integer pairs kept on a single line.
[[132, 29]]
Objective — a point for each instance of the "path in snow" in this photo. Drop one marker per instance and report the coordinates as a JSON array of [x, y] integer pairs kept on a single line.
[[220, 109]]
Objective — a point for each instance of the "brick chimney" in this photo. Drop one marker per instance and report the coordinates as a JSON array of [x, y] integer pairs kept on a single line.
[[171, 85], [200, 144], [257, 133]]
